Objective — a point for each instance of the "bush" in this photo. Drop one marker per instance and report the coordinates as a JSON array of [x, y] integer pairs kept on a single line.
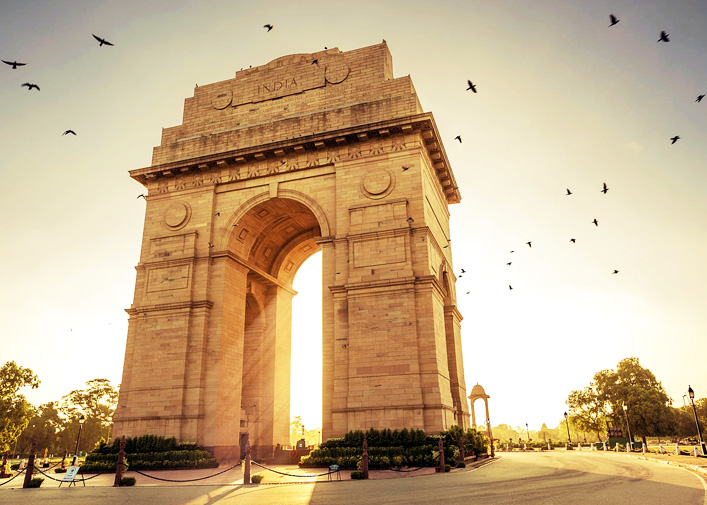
[[60, 470], [127, 481], [256, 478], [357, 475], [35, 482], [461, 464], [447, 468]]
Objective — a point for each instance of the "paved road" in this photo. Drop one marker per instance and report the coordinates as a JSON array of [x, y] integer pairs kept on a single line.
[[515, 478]]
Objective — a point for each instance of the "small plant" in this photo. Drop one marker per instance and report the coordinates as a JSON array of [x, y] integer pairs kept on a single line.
[[35, 482], [256, 478], [461, 464], [127, 481], [357, 475], [447, 468], [60, 470]]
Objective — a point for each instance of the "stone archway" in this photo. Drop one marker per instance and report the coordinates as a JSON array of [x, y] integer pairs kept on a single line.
[[284, 160]]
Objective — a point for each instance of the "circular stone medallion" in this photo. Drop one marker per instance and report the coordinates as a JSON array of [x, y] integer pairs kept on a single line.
[[336, 73], [177, 215], [378, 183], [222, 99]]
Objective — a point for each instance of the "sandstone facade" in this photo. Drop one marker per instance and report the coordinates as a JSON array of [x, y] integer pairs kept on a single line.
[[325, 151]]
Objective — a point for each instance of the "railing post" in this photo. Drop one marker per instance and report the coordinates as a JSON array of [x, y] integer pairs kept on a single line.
[[441, 455], [119, 465], [246, 470], [4, 465], [30, 465], [364, 459], [461, 448]]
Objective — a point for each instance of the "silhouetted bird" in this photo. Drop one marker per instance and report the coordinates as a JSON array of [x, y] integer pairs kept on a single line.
[[509, 263], [605, 189], [596, 223], [698, 100], [568, 192], [471, 87], [674, 139], [406, 167], [14, 64], [210, 245], [410, 220], [315, 61], [615, 272], [463, 271], [217, 214], [269, 27], [613, 20], [512, 251], [69, 131], [510, 287], [459, 138], [30, 86], [445, 246], [102, 41], [142, 196], [529, 245], [468, 292], [663, 37], [573, 240]]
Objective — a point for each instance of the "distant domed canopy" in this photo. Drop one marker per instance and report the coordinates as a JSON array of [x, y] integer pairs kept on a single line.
[[478, 392]]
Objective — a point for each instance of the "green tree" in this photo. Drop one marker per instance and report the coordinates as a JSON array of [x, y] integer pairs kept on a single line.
[[587, 411], [15, 410], [44, 427], [96, 404], [647, 405]]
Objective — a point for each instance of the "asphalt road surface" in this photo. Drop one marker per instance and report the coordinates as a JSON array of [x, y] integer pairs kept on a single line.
[[514, 478]]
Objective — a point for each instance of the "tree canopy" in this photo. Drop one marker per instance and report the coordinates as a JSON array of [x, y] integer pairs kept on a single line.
[[15, 410], [647, 405]]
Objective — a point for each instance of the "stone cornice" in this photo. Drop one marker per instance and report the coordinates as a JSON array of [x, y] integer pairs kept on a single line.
[[199, 304], [269, 159]]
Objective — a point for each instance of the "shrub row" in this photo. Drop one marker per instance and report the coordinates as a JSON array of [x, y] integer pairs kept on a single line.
[[145, 443], [149, 456], [136, 463]]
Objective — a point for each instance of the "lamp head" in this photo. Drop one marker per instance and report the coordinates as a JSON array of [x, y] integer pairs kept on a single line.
[[690, 392], [625, 407], [565, 415], [82, 419]]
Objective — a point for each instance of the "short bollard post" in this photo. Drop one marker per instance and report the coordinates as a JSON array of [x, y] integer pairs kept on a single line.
[[364, 459], [246, 470], [30, 465], [643, 447], [461, 448], [677, 450], [3, 474], [661, 449], [121, 461], [694, 452], [579, 446], [604, 446], [441, 455]]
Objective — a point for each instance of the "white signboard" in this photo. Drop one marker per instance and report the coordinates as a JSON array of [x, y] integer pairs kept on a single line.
[[70, 474]]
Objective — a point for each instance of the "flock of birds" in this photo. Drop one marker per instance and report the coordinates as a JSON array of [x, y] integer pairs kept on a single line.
[[664, 37], [30, 85]]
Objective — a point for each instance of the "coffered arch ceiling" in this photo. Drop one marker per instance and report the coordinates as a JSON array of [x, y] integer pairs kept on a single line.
[[275, 237]]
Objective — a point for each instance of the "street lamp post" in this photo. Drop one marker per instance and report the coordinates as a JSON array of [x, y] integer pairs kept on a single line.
[[567, 422], [527, 432], [78, 437], [628, 426], [697, 421]]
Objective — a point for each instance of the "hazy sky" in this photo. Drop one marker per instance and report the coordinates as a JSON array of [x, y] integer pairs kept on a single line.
[[563, 101]]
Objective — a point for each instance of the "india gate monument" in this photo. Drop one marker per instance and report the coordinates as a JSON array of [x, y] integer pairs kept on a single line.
[[310, 152]]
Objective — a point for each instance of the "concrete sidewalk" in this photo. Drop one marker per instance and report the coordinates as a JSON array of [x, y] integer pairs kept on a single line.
[[697, 464]]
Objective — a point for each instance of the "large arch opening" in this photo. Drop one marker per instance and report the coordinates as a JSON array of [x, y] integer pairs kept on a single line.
[[273, 239]]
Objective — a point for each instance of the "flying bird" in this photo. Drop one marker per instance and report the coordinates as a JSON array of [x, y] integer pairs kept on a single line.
[[410, 220], [143, 196], [509, 263], [573, 240], [615, 272], [510, 287], [568, 192], [674, 139], [269, 27], [698, 100], [406, 167], [596, 223], [463, 271], [605, 189], [613, 20], [14, 64], [529, 245], [471, 86], [69, 131], [459, 138], [315, 61], [102, 41], [663, 37], [512, 251], [30, 86]]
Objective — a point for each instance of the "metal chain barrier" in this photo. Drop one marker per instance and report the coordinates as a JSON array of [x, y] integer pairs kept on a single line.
[[14, 477], [292, 474], [127, 468], [406, 471]]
